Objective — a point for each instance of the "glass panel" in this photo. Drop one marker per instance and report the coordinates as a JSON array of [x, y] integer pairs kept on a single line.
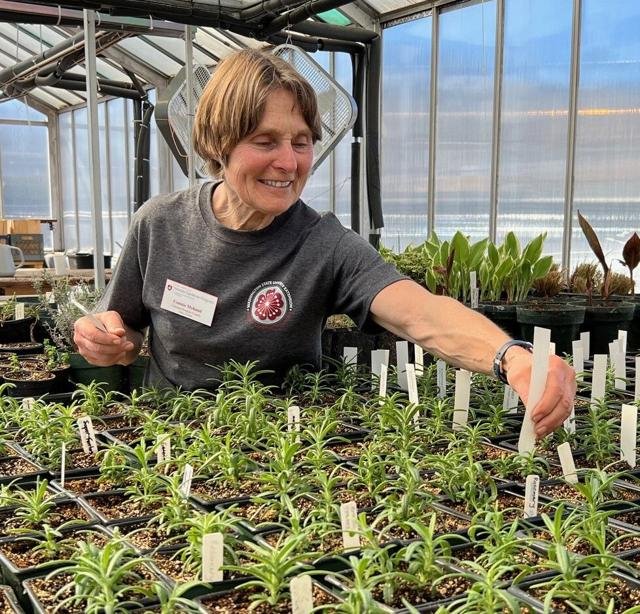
[[118, 172], [406, 58], [16, 109], [533, 131], [342, 152], [464, 119], [83, 180], [67, 181], [607, 182], [104, 179], [24, 153]]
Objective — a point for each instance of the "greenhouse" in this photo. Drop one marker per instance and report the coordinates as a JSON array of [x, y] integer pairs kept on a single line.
[[319, 306]]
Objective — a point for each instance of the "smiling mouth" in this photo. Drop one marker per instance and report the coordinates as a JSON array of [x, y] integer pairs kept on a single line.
[[276, 184]]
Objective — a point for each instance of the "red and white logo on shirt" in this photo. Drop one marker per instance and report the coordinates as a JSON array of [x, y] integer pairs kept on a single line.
[[269, 302]]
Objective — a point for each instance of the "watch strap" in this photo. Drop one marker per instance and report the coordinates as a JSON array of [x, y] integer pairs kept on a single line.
[[498, 371]]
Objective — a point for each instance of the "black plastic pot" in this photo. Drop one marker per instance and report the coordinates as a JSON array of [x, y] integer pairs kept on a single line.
[[9, 601], [633, 336], [21, 348], [603, 320], [13, 331], [503, 315], [82, 372], [136, 372], [29, 388], [563, 320], [81, 260]]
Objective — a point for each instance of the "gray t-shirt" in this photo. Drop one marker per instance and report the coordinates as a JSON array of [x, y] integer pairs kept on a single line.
[[275, 287]]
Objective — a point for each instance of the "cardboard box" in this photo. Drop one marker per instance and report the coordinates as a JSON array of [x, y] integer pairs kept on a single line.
[[26, 227], [3, 227]]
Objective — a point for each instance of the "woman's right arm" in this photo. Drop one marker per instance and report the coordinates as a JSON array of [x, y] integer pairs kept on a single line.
[[120, 345]]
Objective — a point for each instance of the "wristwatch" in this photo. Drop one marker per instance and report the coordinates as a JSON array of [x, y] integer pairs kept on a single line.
[[498, 371]]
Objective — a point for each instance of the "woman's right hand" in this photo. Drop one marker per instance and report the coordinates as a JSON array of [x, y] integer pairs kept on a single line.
[[117, 346]]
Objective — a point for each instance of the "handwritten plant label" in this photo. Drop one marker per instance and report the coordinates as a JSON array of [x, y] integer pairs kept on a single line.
[[163, 449], [293, 420], [568, 465], [187, 477], [570, 423], [441, 378], [418, 354], [301, 590], [350, 526], [378, 358], [412, 383], [531, 491], [28, 403], [541, 340], [87, 435], [622, 338], [383, 382], [212, 557], [461, 399], [19, 311], [474, 290]]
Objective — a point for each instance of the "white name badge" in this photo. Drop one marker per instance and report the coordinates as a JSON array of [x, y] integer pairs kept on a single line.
[[188, 302]]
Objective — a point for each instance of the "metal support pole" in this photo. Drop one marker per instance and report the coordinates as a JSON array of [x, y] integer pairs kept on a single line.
[[571, 135], [497, 106], [188, 61], [433, 122], [94, 146]]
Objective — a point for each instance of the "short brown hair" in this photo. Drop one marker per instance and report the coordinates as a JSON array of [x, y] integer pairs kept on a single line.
[[233, 102]]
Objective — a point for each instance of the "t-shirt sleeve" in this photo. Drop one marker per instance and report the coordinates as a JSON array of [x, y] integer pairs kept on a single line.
[[125, 290], [359, 274]]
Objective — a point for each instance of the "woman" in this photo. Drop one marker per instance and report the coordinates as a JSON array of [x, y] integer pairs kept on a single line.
[[243, 269]]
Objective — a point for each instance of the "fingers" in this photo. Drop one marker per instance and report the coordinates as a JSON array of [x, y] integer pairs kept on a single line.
[[557, 400], [98, 347]]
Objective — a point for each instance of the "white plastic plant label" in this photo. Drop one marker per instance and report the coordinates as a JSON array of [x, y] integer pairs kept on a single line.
[[418, 354], [570, 423], [541, 340], [510, 400], [19, 311], [163, 449], [636, 393], [441, 378], [531, 492], [87, 435], [384, 373], [50, 297], [212, 557], [568, 465], [629, 434], [301, 590], [412, 384], [378, 358], [349, 523], [598, 377], [187, 477], [578, 359], [461, 399], [63, 463], [622, 338], [350, 356], [402, 358], [552, 348], [28, 403], [585, 338], [619, 366], [293, 420]]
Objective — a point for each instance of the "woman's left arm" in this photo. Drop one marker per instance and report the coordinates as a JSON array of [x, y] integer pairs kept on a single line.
[[466, 339]]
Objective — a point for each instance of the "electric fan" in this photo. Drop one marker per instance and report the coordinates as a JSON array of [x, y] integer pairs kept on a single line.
[[336, 107]]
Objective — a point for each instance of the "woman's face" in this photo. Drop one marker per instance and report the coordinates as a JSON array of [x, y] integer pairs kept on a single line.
[[268, 169]]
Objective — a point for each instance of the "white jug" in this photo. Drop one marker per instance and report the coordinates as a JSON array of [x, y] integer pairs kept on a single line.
[[7, 266]]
